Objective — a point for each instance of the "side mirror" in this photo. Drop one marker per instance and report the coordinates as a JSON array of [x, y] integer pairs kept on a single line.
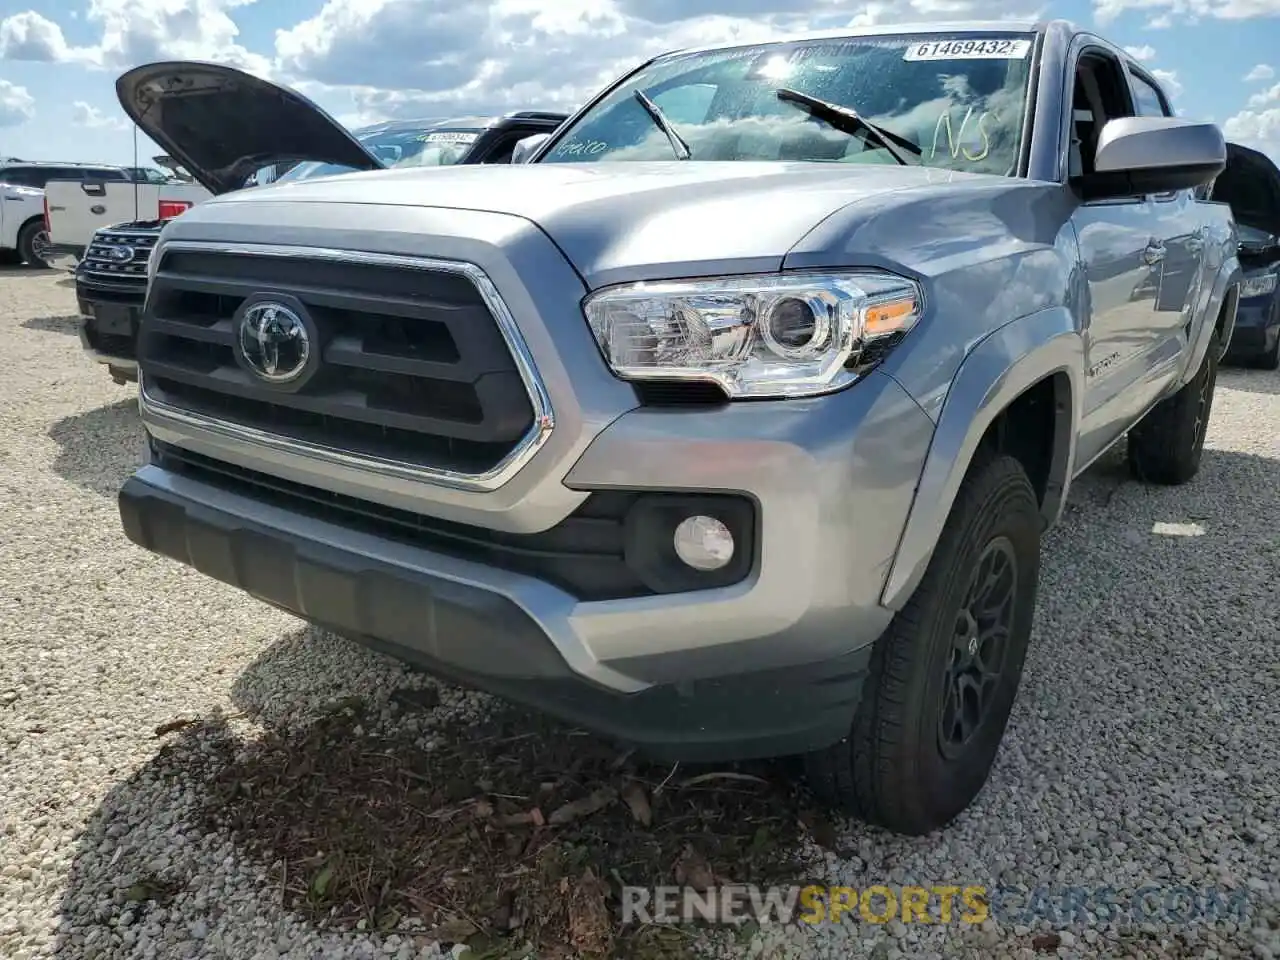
[[526, 148], [1140, 155]]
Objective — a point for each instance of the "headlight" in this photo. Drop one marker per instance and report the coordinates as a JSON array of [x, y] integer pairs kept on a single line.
[[1257, 286], [782, 335]]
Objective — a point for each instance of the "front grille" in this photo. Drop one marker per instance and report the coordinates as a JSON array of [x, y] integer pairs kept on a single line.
[[102, 261], [414, 367], [584, 554]]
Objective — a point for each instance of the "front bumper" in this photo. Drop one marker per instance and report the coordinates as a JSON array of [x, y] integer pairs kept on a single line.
[[109, 326], [448, 618], [769, 666], [1257, 328]]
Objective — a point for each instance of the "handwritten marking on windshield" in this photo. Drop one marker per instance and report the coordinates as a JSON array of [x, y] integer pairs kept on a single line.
[[581, 148], [956, 142]]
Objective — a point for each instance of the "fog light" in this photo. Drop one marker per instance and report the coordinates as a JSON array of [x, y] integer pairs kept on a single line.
[[703, 543]]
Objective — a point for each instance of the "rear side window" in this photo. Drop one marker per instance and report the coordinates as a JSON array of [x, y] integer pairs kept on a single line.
[[17, 176], [24, 176], [1148, 100]]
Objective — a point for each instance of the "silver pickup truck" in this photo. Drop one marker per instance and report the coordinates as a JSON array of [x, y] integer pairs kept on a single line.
[[729, 425]]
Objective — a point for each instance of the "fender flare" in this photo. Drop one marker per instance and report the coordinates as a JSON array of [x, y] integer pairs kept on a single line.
[[997, 371], [1228, 276]]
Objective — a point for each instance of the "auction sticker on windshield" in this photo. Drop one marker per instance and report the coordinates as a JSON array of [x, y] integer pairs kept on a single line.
[[449, 136], [972, 49]]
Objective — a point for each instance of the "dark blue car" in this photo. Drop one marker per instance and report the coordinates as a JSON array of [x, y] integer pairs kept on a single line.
[[1251, 185]]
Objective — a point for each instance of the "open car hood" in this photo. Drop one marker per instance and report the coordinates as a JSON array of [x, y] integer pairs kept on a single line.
[[1251, 186], [223, 125]]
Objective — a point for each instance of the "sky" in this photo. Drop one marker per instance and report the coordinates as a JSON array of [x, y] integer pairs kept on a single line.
[[368, 60]]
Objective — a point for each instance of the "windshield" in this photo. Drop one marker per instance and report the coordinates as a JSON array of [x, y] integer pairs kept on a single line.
[[417, 147], [959, 98]]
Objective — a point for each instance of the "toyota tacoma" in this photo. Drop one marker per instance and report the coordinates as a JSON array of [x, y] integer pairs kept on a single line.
[[730, 424]]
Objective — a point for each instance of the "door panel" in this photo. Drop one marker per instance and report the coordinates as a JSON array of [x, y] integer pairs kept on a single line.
[[1123, 278], [1176, 224]]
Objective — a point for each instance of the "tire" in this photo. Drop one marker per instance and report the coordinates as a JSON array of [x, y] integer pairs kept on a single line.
[[1166, 445], [30, 238], [896, 769], [1271, 359]]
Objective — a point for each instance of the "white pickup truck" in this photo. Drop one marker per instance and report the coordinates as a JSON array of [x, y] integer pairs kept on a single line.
[[78, 208], [24, 229]]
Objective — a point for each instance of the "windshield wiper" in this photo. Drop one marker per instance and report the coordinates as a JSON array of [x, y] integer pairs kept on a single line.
[[678, 146], [850, 121]]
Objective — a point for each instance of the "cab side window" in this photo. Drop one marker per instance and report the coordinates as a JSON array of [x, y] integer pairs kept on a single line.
[[502, 152], [1101, 94], [1149, 101]]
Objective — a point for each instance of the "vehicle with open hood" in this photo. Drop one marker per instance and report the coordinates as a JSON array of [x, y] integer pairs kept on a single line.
[[224, 126], [1250, 185], [730, 423]]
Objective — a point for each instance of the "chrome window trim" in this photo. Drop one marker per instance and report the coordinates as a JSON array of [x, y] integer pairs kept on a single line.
[[519, 456]]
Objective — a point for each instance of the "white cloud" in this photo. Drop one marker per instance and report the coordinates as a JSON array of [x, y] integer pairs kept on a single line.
[[1259, 129], [1145, 52], [133, 32], [16, 104], [84, 115], [1261, 72], [30, 36], [1169, 80], [1270, 95], [1165, 11]]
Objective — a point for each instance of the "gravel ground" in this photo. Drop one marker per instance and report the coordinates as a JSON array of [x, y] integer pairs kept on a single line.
[[1144, 750]]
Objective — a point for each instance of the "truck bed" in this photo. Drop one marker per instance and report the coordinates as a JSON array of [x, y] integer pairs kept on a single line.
[[77, 209]]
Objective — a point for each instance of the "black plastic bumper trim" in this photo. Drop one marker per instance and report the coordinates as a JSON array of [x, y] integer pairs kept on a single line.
[[481, 639]]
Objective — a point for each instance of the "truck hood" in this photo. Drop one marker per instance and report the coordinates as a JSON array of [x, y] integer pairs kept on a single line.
[[616, 221], [1250, 184], [222, 124]]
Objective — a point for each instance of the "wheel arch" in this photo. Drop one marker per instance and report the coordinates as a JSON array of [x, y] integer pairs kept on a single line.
[[1018, 391], [1222, 298], [34, 218]]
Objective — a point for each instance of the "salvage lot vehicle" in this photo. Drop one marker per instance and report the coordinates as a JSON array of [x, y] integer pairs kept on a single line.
[[286, 126], [1251, 186], [77, 210], [24, 227], [724, 459]]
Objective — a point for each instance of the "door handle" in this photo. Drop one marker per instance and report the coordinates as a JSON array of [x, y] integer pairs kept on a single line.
[[1153, 254]]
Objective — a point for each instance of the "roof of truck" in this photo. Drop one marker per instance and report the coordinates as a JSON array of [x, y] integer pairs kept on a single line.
[[951, 26], [59, 163]]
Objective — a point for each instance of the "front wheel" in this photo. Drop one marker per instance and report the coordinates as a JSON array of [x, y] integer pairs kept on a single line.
[[945, 674], [34, 245]]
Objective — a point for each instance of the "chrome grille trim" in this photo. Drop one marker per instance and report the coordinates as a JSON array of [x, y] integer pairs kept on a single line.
[[534, 439], [97, 261]]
